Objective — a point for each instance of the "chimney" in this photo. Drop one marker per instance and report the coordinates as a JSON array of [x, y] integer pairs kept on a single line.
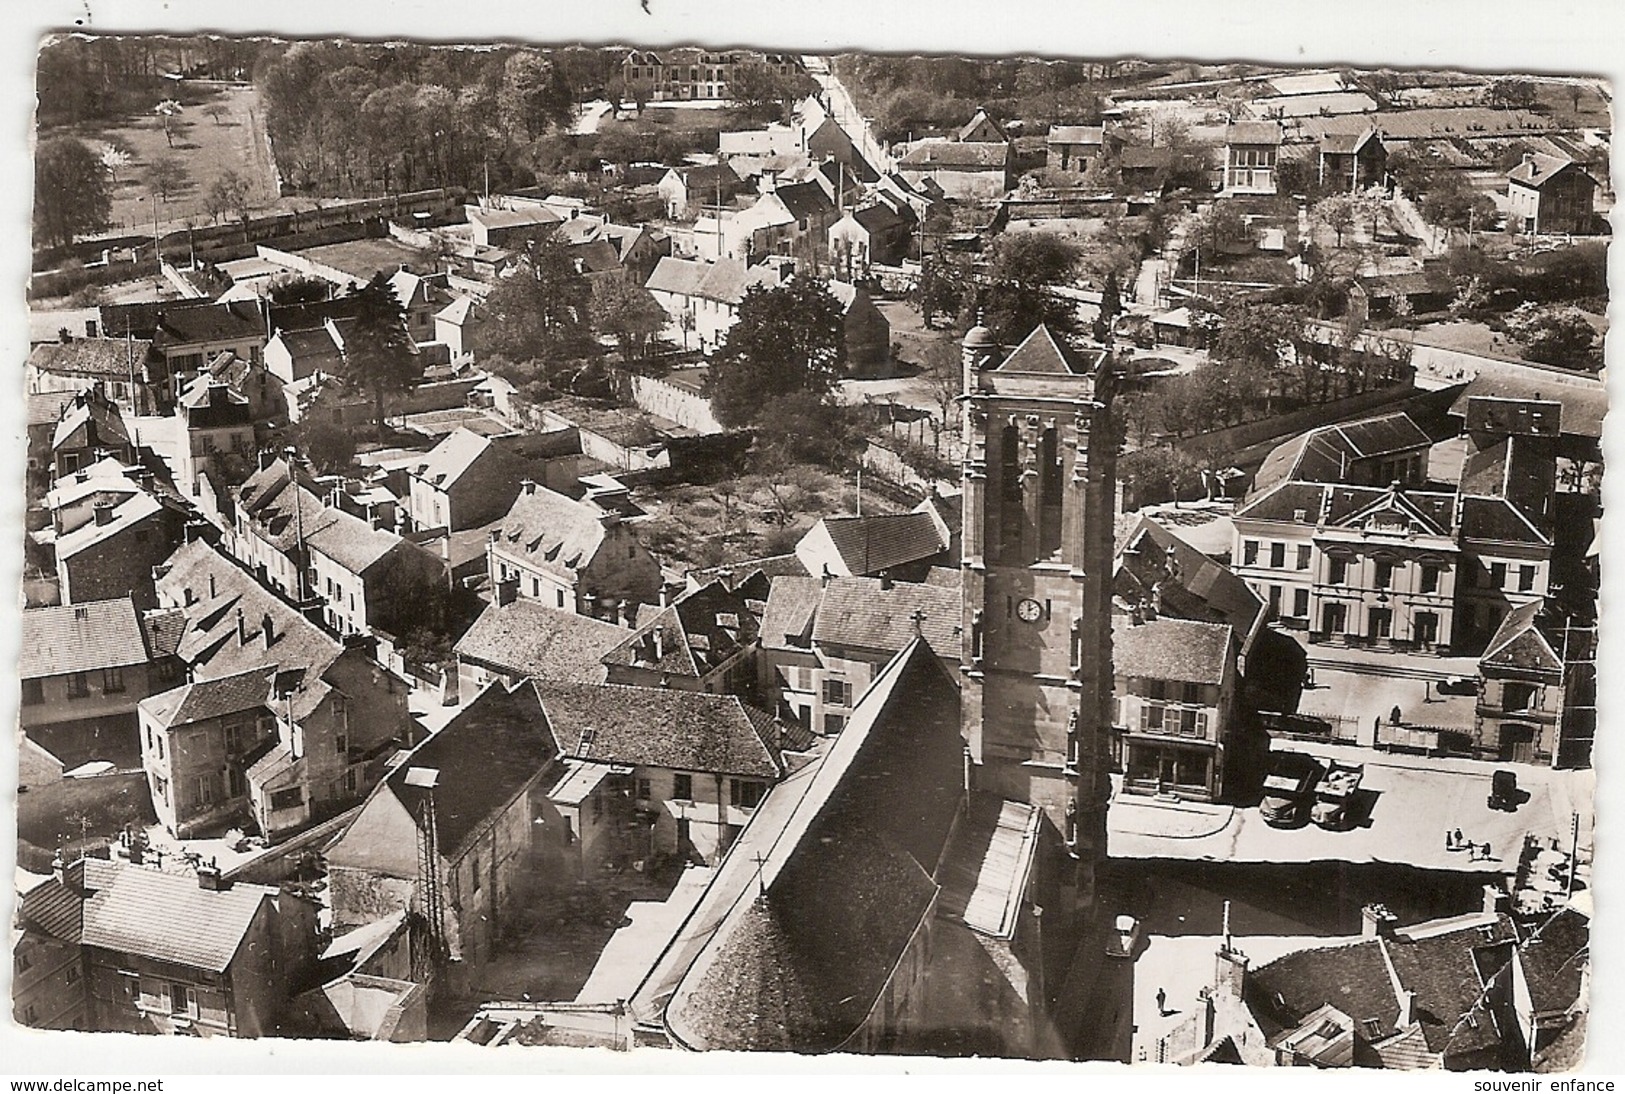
[[726, 576], [589, 603], [1495, 899], [212, 593], [208, 877], [242, 629], [1136, 615], [1229, 971], [103, 511], [629, 611], [91, 328], [507, 589], [825, 577], [267, 630], [1376, 921], [885, 580], [660, 641], [59, 868], [81, 475], [665, 595], [528, 486], [1407, 1009]]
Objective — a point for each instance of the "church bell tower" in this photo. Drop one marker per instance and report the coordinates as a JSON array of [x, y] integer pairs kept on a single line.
[[1039, 486]]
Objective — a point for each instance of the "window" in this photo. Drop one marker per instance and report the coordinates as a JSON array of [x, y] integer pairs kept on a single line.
[[1191, 693], [349, 781], [341, 743], [1303, 556], [1156, 689], [1430, 577], [23, 961], [1337, 572], [1278, 556], [1425, 628], [1249, 552], [745, 793], [78, 685], [204, 790], [1517, 696], [1300, 603], [1275, 600], [643, 790], [291, 798], [33, 692], [834, 723], [112, 680], [474, 868], [182, 1000], [1385, 574], [561, 597], [1381, 621], [1526, 578], [1498, 575], [160, 743], [838, 692], [682, 787]]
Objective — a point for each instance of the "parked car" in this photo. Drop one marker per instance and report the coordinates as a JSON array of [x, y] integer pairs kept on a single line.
[[1504, 791], [1124, 937], [1292, 775], [1334, 794]]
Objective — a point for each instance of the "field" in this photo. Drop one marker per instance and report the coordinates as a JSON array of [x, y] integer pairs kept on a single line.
[[205, 143]]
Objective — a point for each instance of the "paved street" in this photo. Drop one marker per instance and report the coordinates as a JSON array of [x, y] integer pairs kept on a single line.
[[1412, 802]]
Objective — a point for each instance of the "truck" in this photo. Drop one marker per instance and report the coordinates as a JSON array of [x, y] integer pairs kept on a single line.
[[1287, 786], [1335, 792]]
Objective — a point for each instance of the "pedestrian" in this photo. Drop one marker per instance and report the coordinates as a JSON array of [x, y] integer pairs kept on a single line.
[[1393, 715], [1486, 855], [1162, 1003], [1450, 842]]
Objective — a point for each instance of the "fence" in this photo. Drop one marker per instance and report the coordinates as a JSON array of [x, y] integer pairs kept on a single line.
[[687, 408]]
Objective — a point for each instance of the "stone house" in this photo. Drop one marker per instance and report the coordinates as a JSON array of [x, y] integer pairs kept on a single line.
[[1352, 161], [90, 428], [863, 237], [216, 430], [199, 740], [902, 545], [518, 638], [83, 668], [1251, 150], [1519, 714], [1074, 147], [1176, 686], [114, 552], [189, 954], [705, 640], [469, 799], [468, 480], [339, 715], [126, 369], [1546, 194], [965, 171], [684, 190], [570, 554]]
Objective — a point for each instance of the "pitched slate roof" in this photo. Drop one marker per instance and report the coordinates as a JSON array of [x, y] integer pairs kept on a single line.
[[879, 217], [1338, 143], [1554, 959], [868, 545], [166, 916], [977, 120], [529, 638], [186, 324], [210, 698], [1444, 971], [210, 645], [861, 612], [1253, 133], [787, 619], [315, 342], [698, 633], [1042, 352], [1583, 397], [550, 531], [1498, 520], [45, 407], [1076, 134], [68, 638], [929, 155], [163, 628], [1171, 649], [351, 541], [126, 514], [845, 888], [115, 358], [682, 276], [654, 727], [1519, 644], [53, 908], [1354, 978], [1537, 169], [805, 200], [1194, 586], [485, 756]]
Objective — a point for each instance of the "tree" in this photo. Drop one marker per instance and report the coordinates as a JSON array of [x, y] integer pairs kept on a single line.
[[215, 111], [534, 97], [378, 352], [71, 196], [624, 309], [229, 193], [788, 339], [540, 312], [760, 95], [939, 289], [1337, 213], [329, 446], [1553, 336], [293, 288], [169, 117], [1015, 297], [1111, 306], [114, 160], [1454, 203], [166, 176], [1159, 473], [1511, 93]]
